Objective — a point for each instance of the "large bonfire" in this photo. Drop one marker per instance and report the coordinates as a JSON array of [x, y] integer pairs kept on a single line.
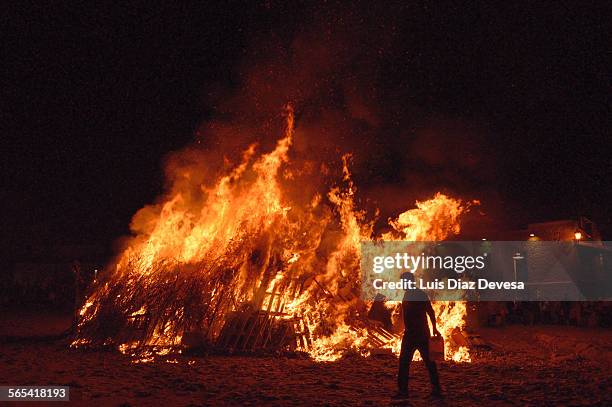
[[240, 265]]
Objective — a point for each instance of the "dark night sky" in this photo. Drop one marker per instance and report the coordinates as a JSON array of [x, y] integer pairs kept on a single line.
[[96, 96]]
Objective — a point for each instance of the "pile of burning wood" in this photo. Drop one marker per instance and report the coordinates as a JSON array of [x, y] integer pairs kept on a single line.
[[237, 264]]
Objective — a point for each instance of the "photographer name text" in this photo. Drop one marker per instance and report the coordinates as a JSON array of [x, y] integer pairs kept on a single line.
[[449, 284]]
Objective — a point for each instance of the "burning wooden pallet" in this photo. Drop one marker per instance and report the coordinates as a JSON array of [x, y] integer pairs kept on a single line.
[[263, 331], [267, 328], [273, 329]]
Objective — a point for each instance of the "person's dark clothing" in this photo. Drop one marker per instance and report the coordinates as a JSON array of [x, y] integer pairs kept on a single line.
[[415, 308], [409, 345]]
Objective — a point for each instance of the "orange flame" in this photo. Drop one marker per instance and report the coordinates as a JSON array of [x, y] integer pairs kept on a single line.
[[247, 236]]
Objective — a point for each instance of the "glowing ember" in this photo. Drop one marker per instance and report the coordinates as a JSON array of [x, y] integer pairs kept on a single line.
[[239, 252]]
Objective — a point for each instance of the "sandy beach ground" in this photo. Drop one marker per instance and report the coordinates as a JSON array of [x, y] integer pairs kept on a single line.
[[539, 366]]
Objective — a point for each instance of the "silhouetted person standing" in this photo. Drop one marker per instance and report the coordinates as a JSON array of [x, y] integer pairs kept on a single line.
[[416, 308], [79, 296]]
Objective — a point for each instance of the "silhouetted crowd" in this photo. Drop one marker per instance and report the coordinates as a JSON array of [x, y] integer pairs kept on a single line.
[[584, 313]]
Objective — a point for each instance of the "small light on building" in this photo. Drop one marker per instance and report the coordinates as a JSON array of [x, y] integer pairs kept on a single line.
[[484, 238], [532, 235], [578, 235]]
